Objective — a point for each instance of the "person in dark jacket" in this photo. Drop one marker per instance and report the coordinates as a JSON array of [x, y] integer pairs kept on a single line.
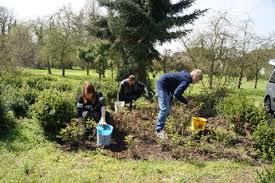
[[130, 90], [169, 86], [91, 105]]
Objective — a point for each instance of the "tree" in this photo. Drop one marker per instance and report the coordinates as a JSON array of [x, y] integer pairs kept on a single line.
[[87, 54], [210, 48], [60, 45], [41, 28], [102, 53], [260, 55], [21, 46], [135, 26], [7, 21], [244, 44]]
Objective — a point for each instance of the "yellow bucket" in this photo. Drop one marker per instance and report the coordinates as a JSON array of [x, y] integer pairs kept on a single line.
[[198, 123]]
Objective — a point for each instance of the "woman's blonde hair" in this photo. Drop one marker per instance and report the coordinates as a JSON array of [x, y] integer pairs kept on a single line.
[[197, 73]]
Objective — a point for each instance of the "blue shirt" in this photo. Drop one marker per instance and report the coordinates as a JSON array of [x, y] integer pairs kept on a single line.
[[175, 83]]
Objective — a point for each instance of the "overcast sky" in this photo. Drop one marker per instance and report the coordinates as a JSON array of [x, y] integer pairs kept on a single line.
[[261, 11]]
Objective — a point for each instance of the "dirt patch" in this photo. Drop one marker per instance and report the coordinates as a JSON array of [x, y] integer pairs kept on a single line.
[[134, 138]]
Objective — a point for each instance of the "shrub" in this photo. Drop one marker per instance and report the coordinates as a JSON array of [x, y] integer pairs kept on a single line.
[[11, 81], [180, 119], [266, 176], [15, 101], [208, 101], [264, 138], [241, 113], [7, 119], [30, 94], [73, 133], [108, 88], [62, 86], [54, 109], [40, 83]]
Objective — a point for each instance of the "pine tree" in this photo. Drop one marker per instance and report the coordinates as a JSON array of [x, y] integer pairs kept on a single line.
[[135, 26]]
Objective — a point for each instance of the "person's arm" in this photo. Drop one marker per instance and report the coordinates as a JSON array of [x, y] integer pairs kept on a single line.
[[179, 91], [103, 114], [120, 92], [80, 107]]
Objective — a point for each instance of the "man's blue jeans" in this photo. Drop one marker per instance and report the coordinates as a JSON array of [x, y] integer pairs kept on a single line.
[[164, 105]]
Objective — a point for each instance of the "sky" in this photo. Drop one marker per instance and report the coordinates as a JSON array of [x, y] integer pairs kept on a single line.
[[261, 11]]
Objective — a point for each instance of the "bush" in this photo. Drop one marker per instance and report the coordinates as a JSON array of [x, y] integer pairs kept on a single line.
[[209, 100], [7, 118], [73, 133], [62, 86], [15, 101], [108, 88], [54, 109], [267, 176], [11, 81], [30, 94], [241, 113], [40, 83], [264, 138]]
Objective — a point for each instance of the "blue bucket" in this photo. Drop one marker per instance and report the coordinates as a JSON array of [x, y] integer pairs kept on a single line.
[[104, 134]]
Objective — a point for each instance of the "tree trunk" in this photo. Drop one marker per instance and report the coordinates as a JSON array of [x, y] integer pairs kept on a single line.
[[256, 79], [211, 75], [165, 65], [49, 67], [240, 79], [88, 70], [63, 70]]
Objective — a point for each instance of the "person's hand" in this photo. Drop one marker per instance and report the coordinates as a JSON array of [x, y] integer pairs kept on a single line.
[[102, 122]]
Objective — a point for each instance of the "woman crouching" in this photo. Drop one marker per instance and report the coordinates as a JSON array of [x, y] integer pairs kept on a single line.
[[91, 105]]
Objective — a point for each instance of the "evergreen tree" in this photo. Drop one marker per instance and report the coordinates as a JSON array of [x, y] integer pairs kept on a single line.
[[135, 26]]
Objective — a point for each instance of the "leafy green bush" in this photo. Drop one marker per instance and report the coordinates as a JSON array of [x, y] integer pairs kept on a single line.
[[108, 88], [7, 118], [73, 133], [208, 101], [54, 109], [40, 83], [15, 101], [30, 94], [241, 113], [11, 81], [267, 176], [264, 138], [62, 86]]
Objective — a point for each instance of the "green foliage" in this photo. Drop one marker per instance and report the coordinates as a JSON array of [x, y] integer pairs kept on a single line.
[[62, 86], [208, 101], [241, 113], [30, 94], [108, 88], [15, 101], [266, 176], [54, 109], [40, 83], [180, 120], [135, 42], [73, 132], [264, 138], [7, 119]]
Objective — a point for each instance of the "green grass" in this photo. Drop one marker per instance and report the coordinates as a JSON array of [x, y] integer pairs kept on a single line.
[[26, 156]]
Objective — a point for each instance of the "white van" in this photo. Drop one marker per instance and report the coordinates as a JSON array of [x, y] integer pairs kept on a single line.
[[269, 99]]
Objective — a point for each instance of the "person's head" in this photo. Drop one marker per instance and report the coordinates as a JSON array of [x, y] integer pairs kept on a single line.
[[196, 75], [88, 92], [131, 80]]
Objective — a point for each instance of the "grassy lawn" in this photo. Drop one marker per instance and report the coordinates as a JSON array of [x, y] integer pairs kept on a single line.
[[26, 156]]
